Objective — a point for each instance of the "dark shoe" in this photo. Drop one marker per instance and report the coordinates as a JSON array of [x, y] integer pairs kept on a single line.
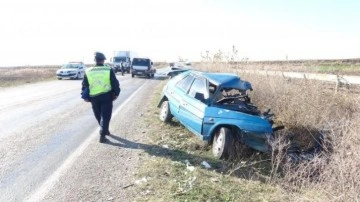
[[102, 139], [104, 133]]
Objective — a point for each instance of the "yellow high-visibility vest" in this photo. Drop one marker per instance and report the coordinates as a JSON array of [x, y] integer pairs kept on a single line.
[[99, 80]]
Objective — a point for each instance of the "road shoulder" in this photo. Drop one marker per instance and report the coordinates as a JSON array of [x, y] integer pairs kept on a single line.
[[107, 172]]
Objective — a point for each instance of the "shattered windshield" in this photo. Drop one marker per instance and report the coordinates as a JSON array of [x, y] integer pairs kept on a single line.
[[229, 94], [235, 99]]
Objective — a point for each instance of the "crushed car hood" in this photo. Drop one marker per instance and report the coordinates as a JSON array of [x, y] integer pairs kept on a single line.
[[256, 124]]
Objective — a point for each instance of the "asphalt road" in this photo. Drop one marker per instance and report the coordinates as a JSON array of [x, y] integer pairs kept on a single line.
[[47, 131]]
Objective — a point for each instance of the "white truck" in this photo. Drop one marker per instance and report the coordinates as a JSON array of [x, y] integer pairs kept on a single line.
[[123, 58]]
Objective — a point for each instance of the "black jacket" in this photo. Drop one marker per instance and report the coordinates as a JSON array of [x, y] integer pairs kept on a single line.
[[115, 86]]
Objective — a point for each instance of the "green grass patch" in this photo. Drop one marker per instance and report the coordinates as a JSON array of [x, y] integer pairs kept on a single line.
[[337, 68]]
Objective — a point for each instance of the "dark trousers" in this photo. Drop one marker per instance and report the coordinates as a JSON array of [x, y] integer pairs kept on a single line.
[[102, 108]]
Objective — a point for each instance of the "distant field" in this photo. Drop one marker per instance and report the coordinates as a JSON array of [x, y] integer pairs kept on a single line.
[[10, 76], [342, 67]]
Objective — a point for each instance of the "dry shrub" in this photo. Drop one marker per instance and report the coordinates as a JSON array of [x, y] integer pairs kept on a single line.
[[307, 109]]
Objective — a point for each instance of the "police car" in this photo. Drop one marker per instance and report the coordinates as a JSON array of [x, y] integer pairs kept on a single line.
[[71, 70]]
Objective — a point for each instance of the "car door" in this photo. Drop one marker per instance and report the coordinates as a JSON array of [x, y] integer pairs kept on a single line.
[[176, 94], [192, 107]]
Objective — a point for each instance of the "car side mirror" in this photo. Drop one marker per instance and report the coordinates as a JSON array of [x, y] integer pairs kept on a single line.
[[200, 96], [151, 63]]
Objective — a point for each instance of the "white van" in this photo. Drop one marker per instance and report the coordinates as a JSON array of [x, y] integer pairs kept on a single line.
[[142, 67]]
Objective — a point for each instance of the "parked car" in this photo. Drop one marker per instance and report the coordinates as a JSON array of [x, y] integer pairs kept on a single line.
[[142, 67], [177, 70], [71, 70], [217, 108]]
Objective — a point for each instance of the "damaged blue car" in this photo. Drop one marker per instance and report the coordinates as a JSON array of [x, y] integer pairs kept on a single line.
[[217, 108]]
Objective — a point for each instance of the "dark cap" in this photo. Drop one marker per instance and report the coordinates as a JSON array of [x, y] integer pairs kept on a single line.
[[99, 56]]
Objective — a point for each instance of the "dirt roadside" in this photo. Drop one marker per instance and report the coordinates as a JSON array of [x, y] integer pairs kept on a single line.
[[106, 172]]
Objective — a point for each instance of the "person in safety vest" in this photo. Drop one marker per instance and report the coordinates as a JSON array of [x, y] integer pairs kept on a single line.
[[103, 88]]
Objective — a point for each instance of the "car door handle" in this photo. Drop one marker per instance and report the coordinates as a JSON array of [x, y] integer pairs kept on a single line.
[[183, 103]]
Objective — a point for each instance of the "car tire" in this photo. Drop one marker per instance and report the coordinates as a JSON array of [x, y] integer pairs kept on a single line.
[[165, 114], [222, 142], [59, 78], [132, 75]]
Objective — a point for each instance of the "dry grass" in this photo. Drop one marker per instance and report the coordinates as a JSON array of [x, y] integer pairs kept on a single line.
[[21, 75], [307, 109], [338, 67]]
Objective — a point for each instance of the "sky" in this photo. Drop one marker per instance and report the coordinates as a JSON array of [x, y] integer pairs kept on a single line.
[[44, 32]]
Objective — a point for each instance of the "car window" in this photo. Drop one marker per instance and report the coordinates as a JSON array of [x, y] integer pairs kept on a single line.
[[227, 93], [141, 62], [185, 83], [198, 89], [212, 89]]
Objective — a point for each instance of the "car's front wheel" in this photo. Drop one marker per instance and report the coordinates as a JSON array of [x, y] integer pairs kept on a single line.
[[165, 114], [222, 142]]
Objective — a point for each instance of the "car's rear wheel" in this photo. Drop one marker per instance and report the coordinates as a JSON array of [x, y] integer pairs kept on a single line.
[[165, 114], [222, 142], [132, 75]]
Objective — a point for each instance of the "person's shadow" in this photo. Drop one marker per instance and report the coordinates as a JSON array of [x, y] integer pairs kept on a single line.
[[224, 167], [159, 151]]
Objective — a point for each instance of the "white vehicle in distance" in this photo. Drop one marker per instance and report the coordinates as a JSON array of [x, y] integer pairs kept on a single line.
[[71, 70], [142, 67]]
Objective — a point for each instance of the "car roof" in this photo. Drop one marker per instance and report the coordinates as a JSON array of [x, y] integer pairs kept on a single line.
[[76, 62], [221, 79], [143, 58]]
